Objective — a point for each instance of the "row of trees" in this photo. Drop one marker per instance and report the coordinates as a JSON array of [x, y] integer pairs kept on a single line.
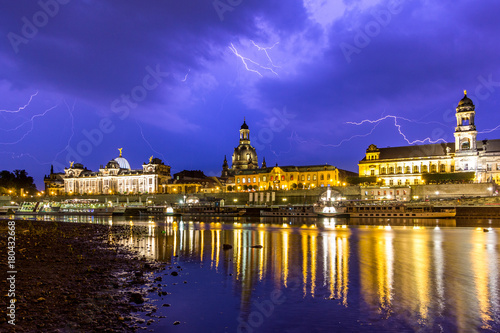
[[11, 183]]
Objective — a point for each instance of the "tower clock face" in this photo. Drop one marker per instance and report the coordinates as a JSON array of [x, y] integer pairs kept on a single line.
[[150, 169], [71, 174]]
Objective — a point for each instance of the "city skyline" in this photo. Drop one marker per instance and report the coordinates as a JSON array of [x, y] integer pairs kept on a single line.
[[317, 83]]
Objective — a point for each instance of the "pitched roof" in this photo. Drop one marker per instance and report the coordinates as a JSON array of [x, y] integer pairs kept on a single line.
[[437, 149]]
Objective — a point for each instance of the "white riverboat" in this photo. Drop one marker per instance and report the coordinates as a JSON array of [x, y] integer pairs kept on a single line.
[[399, 211]]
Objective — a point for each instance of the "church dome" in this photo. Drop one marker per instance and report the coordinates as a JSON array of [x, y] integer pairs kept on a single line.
[[122, 162], [466, 101], [244, 126]]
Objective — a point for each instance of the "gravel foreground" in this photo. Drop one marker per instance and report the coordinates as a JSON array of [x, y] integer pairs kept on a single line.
[[74, 277]]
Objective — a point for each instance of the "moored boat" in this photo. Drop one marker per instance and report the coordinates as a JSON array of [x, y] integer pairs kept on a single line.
[[290, 211], [399, 211]]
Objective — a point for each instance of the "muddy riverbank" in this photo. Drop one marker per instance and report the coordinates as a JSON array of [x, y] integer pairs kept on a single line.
[[75, 277]]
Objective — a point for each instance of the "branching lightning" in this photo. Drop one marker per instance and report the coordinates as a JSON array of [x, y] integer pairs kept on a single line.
[[398, 126], [245, 59], [31, 120], [260, 48], [21, 107]]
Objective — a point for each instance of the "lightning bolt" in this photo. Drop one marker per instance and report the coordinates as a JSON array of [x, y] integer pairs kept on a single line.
[[489, 130], [265, 51], [398, 126], [144, 138], [70, 111], [32, 120], [21, 107], [185, 77], [245, 59], [352, 137]]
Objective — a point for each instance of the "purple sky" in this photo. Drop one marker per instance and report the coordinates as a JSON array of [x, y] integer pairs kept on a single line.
[[174, 79]]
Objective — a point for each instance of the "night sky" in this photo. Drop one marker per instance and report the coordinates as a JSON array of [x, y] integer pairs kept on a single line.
[[175, 79]]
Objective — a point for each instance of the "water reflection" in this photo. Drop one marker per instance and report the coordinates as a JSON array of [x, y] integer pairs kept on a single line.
[[413, 275]]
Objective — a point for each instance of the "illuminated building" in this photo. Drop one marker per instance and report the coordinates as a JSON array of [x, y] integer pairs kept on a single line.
[[408, 165], [290, 177], [54, 182], [244, 156], [194, 181], [116, 177]]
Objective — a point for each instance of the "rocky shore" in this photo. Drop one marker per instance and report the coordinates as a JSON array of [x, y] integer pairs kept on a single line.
[[74, 277]]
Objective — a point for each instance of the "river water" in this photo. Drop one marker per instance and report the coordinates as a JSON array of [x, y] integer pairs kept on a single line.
[[323, 275]]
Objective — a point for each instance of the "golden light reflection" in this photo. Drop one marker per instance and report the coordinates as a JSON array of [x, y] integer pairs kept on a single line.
[[479, 260], [284, 248]]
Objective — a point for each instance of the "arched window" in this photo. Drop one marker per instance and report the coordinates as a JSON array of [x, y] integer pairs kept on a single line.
[[272, 177], [400, 169], [291, 177], [282, 177], [407, 169], [328, 177], [244, 180], [433, 168], [415, 169], [442, 168], [391, 170], [322, 177], [424, 168], [382, 171], [314, 177], [302, 178]]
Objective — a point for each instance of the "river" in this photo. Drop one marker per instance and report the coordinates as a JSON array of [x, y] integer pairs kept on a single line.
[[323, 275]]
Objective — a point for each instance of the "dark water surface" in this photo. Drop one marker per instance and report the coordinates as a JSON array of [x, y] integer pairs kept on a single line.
[[324, 275]]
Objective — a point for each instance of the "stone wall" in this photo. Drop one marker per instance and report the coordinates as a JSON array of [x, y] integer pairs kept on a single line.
[[453, 190]]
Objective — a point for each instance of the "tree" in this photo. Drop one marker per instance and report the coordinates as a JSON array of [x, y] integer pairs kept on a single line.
[[17, 180], [300, 186], [294, 186]]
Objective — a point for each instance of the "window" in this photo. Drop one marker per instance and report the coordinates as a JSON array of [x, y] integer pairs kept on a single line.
[[408, 169], [314, 177], [382, 171], [248, 179], [466, 166], [452, 168], [391, 170], [488, 167], [424, 168], [302, 177], [244, 180], [415, 169], [372, 172], [308, 177], [399, 182], [433, 168], [322, 177], [254, 180], [391, 182], [264, 178], [415, 182], [291, 177], [397, 192], [282, 177], [272, 177], [400, 169], [442, 168], [407, 182], [328, 177]]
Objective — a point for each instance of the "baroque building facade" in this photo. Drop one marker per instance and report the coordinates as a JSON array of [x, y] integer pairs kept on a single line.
[[244, 156], [406, 165], [116, 177], [290, 177]]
